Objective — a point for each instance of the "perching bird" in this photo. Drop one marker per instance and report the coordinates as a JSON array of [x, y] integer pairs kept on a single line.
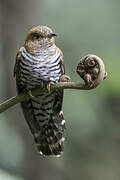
[[38, 63]]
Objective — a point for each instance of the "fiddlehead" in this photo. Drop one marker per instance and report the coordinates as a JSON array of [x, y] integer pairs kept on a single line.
[[92, 70]]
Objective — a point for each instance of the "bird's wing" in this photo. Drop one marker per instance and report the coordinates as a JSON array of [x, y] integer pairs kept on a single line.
[[61, 61], [18, 58], [59, 92]]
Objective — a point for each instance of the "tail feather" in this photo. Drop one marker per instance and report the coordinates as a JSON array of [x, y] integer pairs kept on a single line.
[[51, 142], [46, 123]]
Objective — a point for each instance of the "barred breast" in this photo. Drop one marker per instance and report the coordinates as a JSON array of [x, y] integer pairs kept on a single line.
[[43, 113], [34, 69]]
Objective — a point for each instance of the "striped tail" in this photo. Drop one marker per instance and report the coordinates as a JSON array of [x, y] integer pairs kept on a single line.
[[51, 141], [46, 121]]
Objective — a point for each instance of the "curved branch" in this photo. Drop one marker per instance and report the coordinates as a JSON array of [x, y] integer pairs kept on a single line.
[[92, 74]]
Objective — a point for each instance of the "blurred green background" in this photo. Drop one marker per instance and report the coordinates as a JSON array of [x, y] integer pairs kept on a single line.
[[92, 147]]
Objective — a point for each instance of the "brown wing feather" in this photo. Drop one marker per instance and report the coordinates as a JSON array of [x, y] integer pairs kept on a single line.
[[18, 58]]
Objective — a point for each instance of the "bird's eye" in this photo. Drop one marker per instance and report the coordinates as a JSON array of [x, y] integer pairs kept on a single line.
[[36, 36]]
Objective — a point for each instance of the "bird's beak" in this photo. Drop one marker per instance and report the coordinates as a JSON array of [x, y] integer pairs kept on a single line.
[[53, 34]]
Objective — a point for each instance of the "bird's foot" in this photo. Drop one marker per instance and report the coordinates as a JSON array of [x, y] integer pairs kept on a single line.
[[48, 87], [30, 93], [64, 78]]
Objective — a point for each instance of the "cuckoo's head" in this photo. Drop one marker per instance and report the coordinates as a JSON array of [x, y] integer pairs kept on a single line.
[[39, 37]]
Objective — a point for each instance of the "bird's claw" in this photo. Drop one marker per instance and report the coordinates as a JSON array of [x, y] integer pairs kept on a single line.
[[30, 93], [49, 87]]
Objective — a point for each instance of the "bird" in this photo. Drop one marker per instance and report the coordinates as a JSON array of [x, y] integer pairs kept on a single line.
[[39, 62]]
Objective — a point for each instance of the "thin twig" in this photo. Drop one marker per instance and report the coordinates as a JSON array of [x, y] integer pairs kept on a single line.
[[24, 96], [61, 85]]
